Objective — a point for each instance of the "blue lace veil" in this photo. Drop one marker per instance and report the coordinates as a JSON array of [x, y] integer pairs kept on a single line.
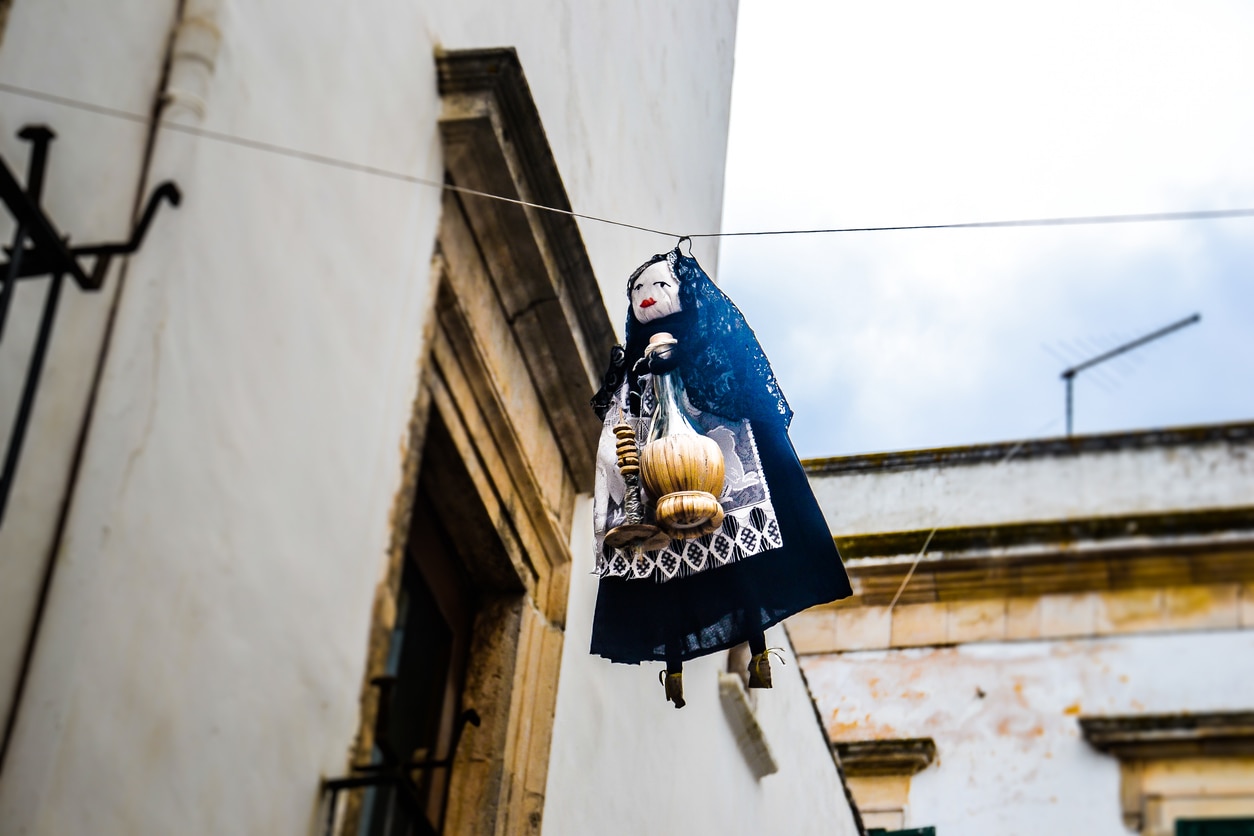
[[725, 370]]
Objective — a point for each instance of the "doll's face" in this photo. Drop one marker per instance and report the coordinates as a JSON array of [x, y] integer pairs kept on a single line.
[[655, 293]]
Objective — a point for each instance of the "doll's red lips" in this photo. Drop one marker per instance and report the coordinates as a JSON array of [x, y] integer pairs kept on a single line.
[[648, 303]]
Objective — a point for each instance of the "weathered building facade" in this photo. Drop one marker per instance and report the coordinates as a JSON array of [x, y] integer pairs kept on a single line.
[[1072, 653], [305, 484]]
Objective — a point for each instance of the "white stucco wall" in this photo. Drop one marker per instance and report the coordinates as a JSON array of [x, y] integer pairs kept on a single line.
[[90, 185], [1111, 483], [1013, 760], [625, 761], [198, 665]]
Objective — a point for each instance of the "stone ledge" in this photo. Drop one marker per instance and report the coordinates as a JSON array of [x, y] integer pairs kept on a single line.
[[1122, 529], [901, 756], [750, 738], [1161, 736], [1101, 553]]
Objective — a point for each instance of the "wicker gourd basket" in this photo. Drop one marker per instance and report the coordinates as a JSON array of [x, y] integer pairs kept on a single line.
[[685, 472], [681, 468]]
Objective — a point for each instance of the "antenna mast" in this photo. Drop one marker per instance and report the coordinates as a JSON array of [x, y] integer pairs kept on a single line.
[[1068, 375]]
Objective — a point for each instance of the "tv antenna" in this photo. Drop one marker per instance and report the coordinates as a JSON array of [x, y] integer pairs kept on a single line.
[[1068, 375]]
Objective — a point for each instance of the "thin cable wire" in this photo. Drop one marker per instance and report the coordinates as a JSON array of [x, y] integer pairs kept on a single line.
[[321, 159], [1197, 215], [375, 171], [307, 156], [918, 557]]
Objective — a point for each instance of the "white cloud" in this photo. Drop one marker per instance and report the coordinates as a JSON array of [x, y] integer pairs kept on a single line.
[[870, 114]]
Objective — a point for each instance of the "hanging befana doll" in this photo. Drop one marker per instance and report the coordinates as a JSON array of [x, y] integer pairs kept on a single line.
[[707, 532]]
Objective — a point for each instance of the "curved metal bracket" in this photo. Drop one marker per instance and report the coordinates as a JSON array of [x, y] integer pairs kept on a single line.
[[49, 254]]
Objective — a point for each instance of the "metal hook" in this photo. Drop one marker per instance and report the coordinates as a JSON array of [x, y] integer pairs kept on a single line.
[[680, 243]]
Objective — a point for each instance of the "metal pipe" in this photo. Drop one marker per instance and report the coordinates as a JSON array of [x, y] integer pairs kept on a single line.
[[39, 137], [10, 279], [1070, 382], [27, 405], [1128, 346]]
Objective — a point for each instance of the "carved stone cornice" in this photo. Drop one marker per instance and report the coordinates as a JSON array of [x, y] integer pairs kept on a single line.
[[900, 756], [1163, 736], [1210, 546], [494, 142], [1138, 741]]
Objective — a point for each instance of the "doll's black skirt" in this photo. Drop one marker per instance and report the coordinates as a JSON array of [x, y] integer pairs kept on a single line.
[[639, 620]]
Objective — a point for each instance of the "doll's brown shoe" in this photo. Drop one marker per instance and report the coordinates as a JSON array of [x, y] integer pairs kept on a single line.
[[674, 683], [760, 667], [760, 671]]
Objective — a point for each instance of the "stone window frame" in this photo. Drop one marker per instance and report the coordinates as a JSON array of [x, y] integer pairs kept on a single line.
[[878, 773], [516, 312], [1178, 766]]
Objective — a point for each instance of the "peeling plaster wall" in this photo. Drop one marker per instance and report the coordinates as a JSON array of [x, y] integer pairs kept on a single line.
[[1013, 760], [624, 761], [198, 665], [1003, 714]]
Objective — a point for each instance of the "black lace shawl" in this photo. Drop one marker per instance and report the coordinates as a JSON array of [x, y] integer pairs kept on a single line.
[[724, 369]]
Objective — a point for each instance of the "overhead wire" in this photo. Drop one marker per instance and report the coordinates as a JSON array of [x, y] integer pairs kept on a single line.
[[296, 153], [376, 171], [1080, 220]]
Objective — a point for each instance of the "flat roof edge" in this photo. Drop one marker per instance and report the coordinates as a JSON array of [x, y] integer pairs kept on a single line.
[[977, 454]]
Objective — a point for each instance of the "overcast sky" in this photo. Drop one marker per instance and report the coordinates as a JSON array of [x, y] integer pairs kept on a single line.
[[865, 114]]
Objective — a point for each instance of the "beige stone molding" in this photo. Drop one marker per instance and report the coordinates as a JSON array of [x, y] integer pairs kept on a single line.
[[1174, 766], [494, 142], [745, 727], [840, 628], [520, 337], [878, 774], [1161, 736], [901, 756], [502, 437], [1077, 555]]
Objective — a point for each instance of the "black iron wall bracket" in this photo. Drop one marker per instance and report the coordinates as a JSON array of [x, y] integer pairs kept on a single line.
[[39, 249], [51, 252], [391, 770]]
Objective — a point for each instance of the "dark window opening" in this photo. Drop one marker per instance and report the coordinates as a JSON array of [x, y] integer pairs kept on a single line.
[[428, 656], [1215, 827]]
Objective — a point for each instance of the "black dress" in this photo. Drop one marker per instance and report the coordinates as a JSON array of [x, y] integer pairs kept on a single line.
[[688, 614]]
